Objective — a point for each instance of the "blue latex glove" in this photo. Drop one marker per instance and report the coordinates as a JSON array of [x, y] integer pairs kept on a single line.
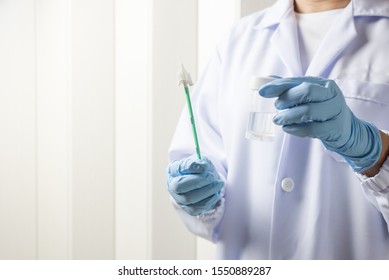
[[194, 184], [315, 107]]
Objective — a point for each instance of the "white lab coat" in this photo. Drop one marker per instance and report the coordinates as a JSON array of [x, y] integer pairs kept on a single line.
[[329, 214]]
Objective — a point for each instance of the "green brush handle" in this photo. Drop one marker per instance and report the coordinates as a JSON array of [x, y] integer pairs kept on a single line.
[[192, 121]]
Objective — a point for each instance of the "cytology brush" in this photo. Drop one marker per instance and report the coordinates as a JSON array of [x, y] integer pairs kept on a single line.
[[185, 79]]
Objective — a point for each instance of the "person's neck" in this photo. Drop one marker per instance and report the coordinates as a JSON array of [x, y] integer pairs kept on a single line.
[[314, 6]]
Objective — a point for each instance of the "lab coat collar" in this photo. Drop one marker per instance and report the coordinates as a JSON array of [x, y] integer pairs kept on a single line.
[[281, 20], [276, 13], [341, 33], [285, 42], [371, 8]]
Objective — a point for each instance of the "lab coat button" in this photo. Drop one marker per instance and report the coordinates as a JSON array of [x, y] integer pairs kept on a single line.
[[287, 184]]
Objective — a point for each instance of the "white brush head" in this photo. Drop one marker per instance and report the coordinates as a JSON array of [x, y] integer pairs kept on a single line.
[[183, 77]]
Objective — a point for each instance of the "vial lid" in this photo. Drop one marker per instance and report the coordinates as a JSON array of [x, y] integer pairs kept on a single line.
[[257, 82]]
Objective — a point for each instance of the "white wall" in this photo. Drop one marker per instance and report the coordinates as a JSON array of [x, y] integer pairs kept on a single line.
[[88, 105], [53, 123], [18, 141], [57, 152], [92, 128], [132, 133]]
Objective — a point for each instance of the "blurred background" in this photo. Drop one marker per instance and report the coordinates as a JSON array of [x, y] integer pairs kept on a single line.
[[88, 104]]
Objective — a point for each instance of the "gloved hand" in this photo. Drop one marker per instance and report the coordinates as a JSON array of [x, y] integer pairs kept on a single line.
[[194, 184], [315, 107]]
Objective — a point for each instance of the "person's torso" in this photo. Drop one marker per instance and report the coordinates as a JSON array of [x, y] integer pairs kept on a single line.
[[326, 215]]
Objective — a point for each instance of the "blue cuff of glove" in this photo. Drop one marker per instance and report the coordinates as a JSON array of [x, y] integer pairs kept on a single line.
[[371, 153]]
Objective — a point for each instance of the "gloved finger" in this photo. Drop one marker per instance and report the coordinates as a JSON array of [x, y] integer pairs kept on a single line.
[[309, 112], [198, 194], [304, 93], [189, 165], [321, 130], [279, 86], [202, 206], [190, 182]]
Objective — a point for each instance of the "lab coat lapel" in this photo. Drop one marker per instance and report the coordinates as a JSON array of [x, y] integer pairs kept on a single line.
[[341, 33], [285, 42]]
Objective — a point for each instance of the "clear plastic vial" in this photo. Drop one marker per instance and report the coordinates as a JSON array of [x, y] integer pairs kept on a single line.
[[261, 113]]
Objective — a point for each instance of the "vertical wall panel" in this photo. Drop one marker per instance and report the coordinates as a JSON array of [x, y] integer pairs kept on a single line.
[[52, 17], [18, 134], [132, 138], [92, 79], [174, 42]]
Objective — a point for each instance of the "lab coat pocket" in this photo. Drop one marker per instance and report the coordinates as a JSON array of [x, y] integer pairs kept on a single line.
[[368, 101]]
